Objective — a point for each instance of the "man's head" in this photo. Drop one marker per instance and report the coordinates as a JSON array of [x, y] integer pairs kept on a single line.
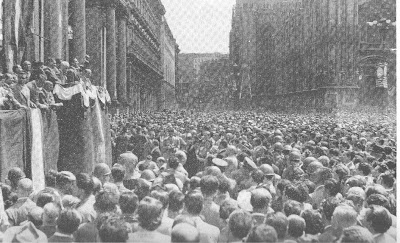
[[296, 226], [113, 229], [102, 172], [377, 219], [357, 234], [27, 66], [295, 159], [25, 187], [128, 202], [66, 182], [176, 201], [41, 80], [51, 62], [357, 196], [118, 172], [50, 214], [181, 156], [85, 185], [343, 217], [185, 232], [48, 86], [150, 213], [262, 233], [209, 185], [106, 202], [68, 221], [280, 223], [194, 202], [260, 199], [314, 223], [240, 223], [14, 176], [291, 207]]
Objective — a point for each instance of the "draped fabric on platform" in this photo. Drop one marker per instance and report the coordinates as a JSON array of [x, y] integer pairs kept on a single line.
[[83, 128], [74, 138], [37, 162], [12, 140], [50, 140]]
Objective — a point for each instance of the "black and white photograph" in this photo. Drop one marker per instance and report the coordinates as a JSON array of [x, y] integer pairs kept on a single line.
[[201, 121]]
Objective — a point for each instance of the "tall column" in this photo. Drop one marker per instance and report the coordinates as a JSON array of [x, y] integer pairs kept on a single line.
[[7, 30], [121, 60], [53, 29], [65, 16], [78, 24], [111, 52]]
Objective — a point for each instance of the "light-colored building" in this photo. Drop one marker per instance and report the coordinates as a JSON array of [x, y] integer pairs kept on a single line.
[[168, 63]]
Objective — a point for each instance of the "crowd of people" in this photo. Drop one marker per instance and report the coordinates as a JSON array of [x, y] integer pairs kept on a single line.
[[220, 177], [31, 85]]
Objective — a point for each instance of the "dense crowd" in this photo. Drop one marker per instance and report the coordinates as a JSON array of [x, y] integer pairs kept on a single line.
[[31, 85], [220, 177]]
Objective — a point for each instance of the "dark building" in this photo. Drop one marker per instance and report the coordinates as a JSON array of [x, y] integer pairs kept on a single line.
[[122, 38], [306, 53]]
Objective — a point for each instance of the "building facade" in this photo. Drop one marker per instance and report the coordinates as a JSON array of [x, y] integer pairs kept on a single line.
[[306, 53], [189, 69], [168, 62], [121, 37]]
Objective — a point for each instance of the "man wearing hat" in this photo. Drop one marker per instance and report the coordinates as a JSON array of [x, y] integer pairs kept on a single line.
[[242, 176], [102, 172], [220, 163], [294, 166]]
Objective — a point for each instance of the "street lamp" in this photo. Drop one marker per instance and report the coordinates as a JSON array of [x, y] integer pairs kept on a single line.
[[384, 25]]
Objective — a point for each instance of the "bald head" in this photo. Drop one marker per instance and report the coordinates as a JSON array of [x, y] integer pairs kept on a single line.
[[185, 233]]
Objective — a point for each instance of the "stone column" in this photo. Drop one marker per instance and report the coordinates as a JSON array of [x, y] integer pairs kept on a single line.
[[121, 60], [53, 29], [7, 30], [78, 24], [111, 52], [65, 17]]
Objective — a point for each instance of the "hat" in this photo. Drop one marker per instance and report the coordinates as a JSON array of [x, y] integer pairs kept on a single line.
[[68, 175], [25, 233], [219, 162], [267, 169], [101, 169], [287, 148], [250, 162], [295, 156]]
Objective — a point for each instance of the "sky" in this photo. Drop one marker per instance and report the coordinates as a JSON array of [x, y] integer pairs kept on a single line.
[[200, 26]]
